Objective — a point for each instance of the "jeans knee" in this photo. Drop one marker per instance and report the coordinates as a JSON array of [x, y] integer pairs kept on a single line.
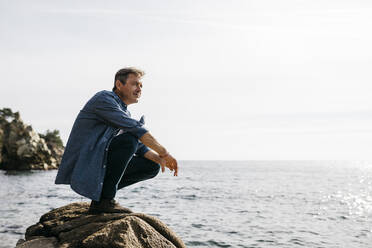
[[127, 139], [156, 169], [130, 138]]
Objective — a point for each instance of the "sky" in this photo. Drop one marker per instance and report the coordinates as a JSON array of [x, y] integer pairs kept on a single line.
[[225, 80]]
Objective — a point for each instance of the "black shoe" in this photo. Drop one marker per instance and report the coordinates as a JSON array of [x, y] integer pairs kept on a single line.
[[107, 206]]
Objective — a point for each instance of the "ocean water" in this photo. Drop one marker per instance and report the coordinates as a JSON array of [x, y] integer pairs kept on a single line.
[[223, 203]]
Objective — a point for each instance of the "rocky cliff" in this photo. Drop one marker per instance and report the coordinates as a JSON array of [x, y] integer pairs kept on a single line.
[[21, 148], [70, 226]]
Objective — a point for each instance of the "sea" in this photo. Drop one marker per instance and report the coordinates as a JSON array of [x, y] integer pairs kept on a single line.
[[223, 203]]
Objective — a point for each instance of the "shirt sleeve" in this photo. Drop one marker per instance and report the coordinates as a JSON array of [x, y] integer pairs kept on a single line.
[[109, 111], [141, 149]]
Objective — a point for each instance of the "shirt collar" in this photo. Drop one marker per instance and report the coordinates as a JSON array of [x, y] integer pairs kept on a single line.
[[123, 104]]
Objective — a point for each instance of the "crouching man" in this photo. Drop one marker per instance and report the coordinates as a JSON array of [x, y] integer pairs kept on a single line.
[[108, 150]]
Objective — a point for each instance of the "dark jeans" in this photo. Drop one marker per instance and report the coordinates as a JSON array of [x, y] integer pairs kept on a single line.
[[124, 167]]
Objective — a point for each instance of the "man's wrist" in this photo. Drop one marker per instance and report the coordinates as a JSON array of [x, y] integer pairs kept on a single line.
[[164, 154]]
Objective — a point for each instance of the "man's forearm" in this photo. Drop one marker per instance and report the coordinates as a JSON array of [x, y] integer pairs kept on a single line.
[[152, 156], [148, 140]]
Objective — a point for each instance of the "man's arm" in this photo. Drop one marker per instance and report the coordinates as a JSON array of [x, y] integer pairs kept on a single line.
[[141, 149], [150, 154], [163, 157], [108, 110], [148, 140]]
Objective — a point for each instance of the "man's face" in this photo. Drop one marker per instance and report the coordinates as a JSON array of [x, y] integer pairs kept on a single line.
[[132, 89]]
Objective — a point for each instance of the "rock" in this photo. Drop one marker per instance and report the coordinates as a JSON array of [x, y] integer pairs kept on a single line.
[[21, 148], [70, 226], [39, 242], [1, 142]]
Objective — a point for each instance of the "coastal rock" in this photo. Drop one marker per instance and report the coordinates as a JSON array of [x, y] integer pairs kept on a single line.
[[1, 142], [70, 226], [24, 149]]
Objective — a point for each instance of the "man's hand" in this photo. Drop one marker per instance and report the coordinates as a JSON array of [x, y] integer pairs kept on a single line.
[[165, 158], [169, 162], [163, 163]]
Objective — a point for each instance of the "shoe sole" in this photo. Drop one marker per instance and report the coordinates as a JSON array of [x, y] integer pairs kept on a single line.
[[108, 211]]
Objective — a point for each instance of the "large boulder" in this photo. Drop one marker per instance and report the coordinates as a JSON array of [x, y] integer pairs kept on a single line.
[[70, 226], [24, 149], [1, 142]]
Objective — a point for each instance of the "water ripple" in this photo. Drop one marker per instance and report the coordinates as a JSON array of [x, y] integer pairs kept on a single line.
[[244, 204]]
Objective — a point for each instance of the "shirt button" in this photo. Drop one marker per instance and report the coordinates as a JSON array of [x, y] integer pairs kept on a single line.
[[104, 166], [101, 183], [106, 149]]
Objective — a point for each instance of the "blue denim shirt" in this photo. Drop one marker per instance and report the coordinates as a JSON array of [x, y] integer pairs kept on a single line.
[[84, 160]]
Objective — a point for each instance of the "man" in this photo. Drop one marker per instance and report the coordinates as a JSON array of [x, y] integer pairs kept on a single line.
[[108, 150]]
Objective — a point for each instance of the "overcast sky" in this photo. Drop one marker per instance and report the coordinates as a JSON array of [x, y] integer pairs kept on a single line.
[[229, 80]]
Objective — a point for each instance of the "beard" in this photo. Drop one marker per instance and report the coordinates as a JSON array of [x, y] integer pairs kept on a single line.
[[120, 94]]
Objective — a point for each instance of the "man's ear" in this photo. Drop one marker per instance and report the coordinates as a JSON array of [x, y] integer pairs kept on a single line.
[[118, 83]]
